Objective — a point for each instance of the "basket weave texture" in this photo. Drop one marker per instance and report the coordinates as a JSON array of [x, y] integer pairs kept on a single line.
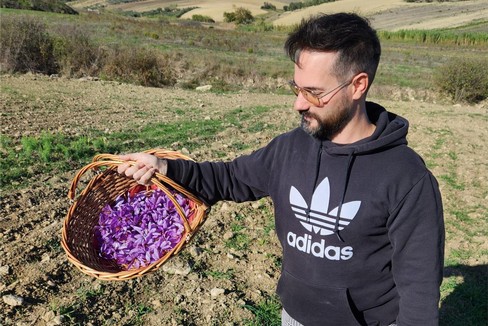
[[78, 236]]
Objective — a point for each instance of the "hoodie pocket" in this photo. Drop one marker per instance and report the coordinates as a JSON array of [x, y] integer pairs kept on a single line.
[[312, 304]]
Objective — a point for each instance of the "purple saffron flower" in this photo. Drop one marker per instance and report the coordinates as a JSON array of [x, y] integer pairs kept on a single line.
[[140, 229]]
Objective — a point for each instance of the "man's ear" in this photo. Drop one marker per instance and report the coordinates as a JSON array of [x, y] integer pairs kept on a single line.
[[360, 84]]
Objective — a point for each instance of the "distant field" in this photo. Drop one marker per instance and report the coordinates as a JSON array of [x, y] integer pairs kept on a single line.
[[385, 14]]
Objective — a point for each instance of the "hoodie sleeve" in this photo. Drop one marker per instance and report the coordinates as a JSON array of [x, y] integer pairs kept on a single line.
[[416, 231], [243, 179]]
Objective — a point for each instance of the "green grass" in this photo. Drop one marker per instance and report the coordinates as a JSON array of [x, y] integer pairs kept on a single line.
[[23, 159], [226, 275], [446, 37], [266, 312], [240, 240]]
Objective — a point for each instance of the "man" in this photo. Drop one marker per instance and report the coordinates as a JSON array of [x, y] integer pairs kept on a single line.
[[357, 213]]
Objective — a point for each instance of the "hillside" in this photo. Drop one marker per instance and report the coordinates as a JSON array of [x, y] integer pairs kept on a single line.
[[58, 6], [385, 14]]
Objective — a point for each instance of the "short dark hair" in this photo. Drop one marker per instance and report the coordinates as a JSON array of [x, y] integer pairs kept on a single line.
[[346, 33]]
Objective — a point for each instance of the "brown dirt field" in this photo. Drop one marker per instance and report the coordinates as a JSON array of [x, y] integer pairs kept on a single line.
[[452, 138]]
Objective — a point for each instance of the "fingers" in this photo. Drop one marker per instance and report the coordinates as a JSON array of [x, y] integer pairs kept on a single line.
[[123, 167], [142, 170], [139, 172], [144, 175]]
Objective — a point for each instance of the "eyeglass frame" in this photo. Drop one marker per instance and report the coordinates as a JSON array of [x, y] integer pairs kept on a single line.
[[315, 99]]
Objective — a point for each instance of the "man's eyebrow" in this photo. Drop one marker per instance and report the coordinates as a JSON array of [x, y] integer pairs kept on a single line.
[[314, 89]]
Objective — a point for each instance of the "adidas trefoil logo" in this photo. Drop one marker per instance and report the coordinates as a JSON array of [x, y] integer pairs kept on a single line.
[[317, 217]]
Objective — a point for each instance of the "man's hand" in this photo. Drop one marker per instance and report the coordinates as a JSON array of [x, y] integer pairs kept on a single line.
[[144, 168]]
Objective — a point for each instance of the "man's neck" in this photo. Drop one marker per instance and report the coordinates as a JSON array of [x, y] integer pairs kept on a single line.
[[358, 128]]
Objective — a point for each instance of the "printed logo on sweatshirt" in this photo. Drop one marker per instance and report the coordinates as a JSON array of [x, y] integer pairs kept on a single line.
[[318, 219]]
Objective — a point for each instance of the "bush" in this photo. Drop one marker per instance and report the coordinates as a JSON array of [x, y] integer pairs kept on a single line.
[[202, 18], [268, 6], [25, 46], [139, 66], [464, 79], [77, 54], [240, 16]]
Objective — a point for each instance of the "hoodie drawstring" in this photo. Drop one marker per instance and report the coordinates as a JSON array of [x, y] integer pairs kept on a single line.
[[319, 157], [346, 181]]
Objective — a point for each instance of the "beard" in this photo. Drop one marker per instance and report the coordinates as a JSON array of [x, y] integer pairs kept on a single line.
[[329, 126]]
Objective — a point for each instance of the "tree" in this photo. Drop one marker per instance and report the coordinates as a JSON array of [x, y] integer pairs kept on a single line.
[[240, 16]]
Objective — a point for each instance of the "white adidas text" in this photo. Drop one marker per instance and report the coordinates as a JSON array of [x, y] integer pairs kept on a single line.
[[318, 249]]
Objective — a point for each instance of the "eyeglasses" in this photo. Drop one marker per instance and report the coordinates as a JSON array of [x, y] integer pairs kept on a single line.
[[312, 96]]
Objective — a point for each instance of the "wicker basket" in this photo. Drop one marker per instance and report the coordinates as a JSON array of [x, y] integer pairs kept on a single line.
[[78, 236]]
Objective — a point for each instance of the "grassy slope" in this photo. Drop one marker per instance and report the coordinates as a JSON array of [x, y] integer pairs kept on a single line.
[[58, 6]]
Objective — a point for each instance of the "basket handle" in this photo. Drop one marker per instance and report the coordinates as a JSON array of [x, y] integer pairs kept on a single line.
[[112, 160], [89, 166]]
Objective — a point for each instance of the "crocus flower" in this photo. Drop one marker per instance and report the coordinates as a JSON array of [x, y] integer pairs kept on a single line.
[[139, 229]]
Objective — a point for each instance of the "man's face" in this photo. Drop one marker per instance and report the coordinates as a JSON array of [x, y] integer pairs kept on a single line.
[[335, 110]]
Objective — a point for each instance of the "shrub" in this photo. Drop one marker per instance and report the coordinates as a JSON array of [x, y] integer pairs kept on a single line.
[[268, 6], [76, 53], [464, 79], [202, 18], [26, 46], [299, 5], [140, 66], [240, 16]]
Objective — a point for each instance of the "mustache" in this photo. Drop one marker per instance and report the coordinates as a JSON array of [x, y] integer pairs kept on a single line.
[[307, 114]]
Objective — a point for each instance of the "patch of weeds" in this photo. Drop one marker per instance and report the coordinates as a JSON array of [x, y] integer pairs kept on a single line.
[[179, 112], [461, 215], [239, 146], [5, 89], [451, 180], [46, 152], [140, 311], [227, 275], [276, 260], [449, 284], [183, 317], [67, 312], [70, 312], [452, 155], [239, 241], [460, 255], [258, 126], [266, 313], [191, 134], [53, 245], [87, 293]]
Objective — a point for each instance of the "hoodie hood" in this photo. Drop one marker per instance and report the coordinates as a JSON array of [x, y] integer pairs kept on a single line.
[[391, 130]]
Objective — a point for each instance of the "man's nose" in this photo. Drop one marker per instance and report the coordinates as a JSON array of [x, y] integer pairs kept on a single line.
[[301, 104]]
